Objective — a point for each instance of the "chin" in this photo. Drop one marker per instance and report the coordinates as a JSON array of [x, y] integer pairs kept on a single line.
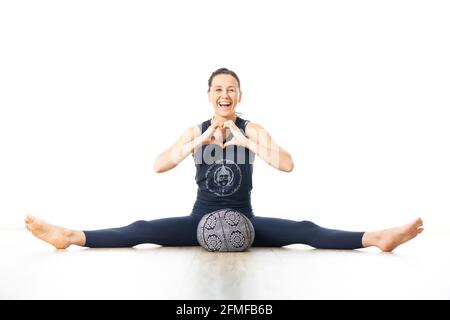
[[225, 113]]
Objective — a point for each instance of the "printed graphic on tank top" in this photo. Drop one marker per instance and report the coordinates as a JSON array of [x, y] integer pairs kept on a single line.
[[223, 178]]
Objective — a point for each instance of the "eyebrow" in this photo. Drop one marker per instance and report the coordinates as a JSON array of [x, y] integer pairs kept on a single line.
[[221, 87]]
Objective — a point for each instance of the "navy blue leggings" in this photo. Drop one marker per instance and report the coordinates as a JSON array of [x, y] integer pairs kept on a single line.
[[182, 231]]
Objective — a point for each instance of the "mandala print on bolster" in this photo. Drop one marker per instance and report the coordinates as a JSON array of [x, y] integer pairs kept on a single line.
[[225, 230]]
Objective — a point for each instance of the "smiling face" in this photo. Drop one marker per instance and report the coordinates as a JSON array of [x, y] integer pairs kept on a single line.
[[224, 95]]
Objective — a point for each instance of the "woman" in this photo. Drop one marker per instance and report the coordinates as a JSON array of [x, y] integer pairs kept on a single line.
[[223, 149]]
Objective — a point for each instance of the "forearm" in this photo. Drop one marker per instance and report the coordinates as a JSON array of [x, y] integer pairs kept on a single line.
[[179, 153], [275, 157], [170, 158]]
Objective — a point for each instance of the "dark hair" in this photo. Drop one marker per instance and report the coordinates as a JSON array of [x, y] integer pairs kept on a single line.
[[223, 71]]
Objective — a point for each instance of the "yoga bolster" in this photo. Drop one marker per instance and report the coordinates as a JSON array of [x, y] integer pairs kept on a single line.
[[225, 230]]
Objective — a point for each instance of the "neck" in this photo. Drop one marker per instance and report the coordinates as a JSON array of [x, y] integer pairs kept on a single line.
[[222, 119]]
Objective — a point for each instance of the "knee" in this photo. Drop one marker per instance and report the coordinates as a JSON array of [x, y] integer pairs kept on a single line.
[[307, 224], [138, 224]]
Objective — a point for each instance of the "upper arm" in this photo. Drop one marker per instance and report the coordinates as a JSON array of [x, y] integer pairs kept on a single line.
[[277, 157], [258, 134]]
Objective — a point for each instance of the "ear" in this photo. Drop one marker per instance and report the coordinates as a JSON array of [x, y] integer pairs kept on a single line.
[[240, 96]]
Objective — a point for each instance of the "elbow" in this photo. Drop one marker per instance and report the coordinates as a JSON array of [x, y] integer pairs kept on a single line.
[[289, 167], [287, 164], [158, 167], [161, 165]]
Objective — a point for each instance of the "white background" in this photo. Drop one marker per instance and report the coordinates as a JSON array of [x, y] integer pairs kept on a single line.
[[356, 91]]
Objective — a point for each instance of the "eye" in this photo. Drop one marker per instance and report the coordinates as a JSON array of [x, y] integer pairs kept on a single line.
[[231, 90], [218, 90]]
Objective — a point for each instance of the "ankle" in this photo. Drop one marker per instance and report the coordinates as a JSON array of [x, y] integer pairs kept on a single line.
[[372, 238], [75, 237]]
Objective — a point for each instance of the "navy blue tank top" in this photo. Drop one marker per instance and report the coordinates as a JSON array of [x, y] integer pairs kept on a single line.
[[224, 176]]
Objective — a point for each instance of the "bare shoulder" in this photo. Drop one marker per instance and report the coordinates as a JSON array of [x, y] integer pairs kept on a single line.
[[253, 128]]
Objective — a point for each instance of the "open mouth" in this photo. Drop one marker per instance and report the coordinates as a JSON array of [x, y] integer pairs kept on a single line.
[[224, 105]]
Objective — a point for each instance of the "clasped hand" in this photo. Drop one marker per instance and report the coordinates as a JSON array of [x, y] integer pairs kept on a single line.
[[215, 134]]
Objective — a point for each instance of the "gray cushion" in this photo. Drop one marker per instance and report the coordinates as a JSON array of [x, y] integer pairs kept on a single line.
[[225, 230]]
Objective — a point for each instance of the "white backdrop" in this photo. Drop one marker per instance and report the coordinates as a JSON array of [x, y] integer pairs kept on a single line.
[[356, 91]]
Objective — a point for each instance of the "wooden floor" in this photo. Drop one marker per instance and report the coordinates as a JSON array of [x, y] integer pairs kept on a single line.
[[31, 269]]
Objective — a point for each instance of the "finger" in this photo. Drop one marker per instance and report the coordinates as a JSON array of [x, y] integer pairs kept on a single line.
[[236, 134], [229, 124], [229, 143], [211, 130], [215, 124], [232, 127], [218, 134]]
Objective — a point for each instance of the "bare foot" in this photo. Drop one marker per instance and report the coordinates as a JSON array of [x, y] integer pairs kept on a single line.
[[389, 239], [57, 236]]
